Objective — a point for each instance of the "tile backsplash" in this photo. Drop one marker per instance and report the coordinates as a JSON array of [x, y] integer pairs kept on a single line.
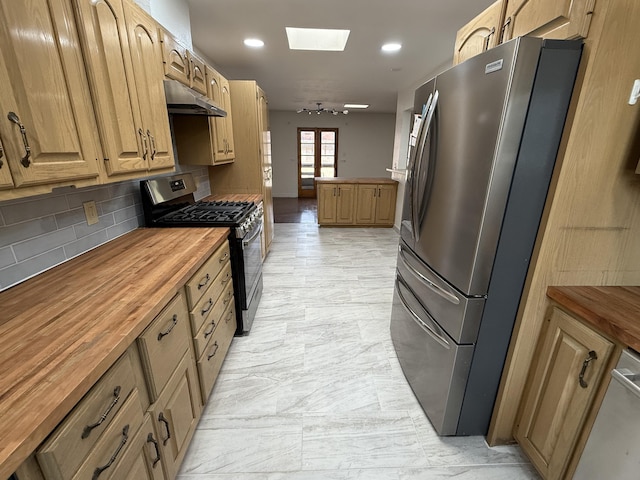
[[37, 233]]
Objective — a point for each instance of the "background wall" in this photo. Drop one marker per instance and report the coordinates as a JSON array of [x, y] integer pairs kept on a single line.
[[365, 145]]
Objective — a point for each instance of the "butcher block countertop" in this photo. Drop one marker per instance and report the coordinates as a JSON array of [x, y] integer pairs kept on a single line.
[[235, 197], [615, 311], [379, 181], [61, 330]]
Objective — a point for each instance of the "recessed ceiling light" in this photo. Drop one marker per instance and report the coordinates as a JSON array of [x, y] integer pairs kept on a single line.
[[332, 40], [254, 42], [355, 105], [391, 47]]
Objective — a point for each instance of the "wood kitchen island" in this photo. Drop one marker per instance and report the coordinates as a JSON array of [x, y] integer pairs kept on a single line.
[[63, 329], [360, 202]]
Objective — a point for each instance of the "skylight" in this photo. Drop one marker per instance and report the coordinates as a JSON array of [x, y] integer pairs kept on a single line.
[[317, 39]]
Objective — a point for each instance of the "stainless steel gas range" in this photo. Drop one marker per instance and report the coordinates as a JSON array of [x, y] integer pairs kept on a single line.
[[169, 202]]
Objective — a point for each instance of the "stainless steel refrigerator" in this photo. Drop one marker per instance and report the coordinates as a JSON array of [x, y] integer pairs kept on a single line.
[[486, 136]]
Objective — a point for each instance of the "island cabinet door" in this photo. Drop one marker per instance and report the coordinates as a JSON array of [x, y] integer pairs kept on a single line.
[[386, 204], [327, 200], [47, 123], [558, 19], [345, 210], [366, 204], [571, 359]]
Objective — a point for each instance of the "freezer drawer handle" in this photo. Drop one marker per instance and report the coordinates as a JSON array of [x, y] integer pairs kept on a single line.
[[437, 337], [626, 378], [591, 356], [437, 289]]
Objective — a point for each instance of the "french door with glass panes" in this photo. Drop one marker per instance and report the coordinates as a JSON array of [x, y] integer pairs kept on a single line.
[[317, 157]]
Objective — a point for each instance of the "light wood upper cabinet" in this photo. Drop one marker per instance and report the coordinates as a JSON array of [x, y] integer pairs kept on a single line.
[[175, 58], [6, 181], [571, 360], [197, 73], [558, 19], [147, 69], [221, 127], [107, 55], [51, 137], [480, 34]]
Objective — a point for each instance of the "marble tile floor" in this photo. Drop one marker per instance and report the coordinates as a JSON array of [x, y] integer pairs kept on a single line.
[[315, 392]]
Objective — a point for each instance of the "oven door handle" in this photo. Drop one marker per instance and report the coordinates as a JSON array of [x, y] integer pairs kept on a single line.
[[253, 237]]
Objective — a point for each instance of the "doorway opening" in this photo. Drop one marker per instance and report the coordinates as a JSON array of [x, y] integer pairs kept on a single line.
[[317, 157]]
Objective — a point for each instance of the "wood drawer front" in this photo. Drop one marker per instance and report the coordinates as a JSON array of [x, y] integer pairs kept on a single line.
[[63, 452], [141, 461], [201, 281], [205, 307], [203, 336], [163, 344], [211, 360], [114, 443]]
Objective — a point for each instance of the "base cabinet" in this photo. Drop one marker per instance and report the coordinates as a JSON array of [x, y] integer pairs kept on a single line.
[[357, 202], [562, 388]]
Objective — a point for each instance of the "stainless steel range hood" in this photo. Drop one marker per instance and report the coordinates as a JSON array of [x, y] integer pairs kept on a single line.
[[183, 100]]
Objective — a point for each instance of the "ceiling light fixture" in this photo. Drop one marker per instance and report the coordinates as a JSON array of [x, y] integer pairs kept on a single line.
[[318, 110], [254, 42], [391, 47], [324, 39], [355, 105]]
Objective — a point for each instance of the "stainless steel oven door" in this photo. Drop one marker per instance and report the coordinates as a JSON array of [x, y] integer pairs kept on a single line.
[[252, 260]]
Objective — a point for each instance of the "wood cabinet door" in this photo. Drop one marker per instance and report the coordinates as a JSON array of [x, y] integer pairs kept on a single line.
[[558, 19], [366, 204], [217, 125], [557, 398], [327, 202], [106, 48], [197, 75], [228, 120], [147, 69], [386, 204], [174, 58], [480, 34], [176, 414], [51, 138], [6, 181], [346, 203]]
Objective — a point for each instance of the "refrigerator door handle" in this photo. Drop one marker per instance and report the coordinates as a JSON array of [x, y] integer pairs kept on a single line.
[[415, 169], [430, 330], [429, 171], [436, 288]]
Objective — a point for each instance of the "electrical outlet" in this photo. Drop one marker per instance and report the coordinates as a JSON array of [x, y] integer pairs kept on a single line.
[[90, 212]]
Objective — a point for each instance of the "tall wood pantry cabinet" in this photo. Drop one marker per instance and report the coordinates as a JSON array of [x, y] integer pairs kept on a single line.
[[251, 171]]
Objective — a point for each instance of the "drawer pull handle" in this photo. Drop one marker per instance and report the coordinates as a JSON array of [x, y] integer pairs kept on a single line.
[[224, 257], [226, 300], [591, 356], [174, 321], [209, 357], [150, 439], [207, 308], [226, 278], [204, 282], [23, 131], [229, 316], [125, 437], [209, 332], [166, 427], [116, 397]]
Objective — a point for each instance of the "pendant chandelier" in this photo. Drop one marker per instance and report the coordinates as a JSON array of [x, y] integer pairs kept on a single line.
[[318, 110]]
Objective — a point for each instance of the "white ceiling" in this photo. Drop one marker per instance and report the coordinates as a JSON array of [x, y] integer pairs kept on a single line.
[[361, 74]]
